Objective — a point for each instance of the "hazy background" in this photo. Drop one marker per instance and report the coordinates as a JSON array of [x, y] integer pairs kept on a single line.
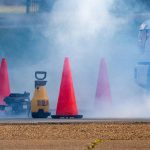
[[85, 31]]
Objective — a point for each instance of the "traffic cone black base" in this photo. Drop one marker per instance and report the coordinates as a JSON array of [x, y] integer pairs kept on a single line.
[[67, 116]]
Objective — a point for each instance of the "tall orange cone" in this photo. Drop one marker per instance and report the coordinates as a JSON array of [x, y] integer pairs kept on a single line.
[[66, 106], [103, 94], [4, 82]]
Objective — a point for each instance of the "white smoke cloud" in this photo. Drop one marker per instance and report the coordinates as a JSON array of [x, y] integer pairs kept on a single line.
[[86, 31], [86, 20]]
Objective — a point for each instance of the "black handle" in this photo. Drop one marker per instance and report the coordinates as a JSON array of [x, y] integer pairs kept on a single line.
[[40, 75]]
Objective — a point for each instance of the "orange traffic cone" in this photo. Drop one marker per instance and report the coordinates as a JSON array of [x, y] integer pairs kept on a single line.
[[4, 82], [66, 106], [103, 94]]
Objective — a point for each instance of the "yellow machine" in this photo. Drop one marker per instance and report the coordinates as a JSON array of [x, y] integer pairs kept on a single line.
[[40, 101]]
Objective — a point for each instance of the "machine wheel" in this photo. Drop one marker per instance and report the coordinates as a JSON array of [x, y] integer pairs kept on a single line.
[[40, 114]]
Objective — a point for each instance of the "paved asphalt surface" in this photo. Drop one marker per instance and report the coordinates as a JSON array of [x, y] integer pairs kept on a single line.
[[69, 121]]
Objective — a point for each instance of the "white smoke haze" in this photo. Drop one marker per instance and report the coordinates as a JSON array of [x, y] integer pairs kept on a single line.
[[87, 31]]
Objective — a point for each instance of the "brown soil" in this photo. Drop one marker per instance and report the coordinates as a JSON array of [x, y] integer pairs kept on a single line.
[[121, 136]]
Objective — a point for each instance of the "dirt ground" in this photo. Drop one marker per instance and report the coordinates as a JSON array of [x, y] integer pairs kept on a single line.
[[115, 136]]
